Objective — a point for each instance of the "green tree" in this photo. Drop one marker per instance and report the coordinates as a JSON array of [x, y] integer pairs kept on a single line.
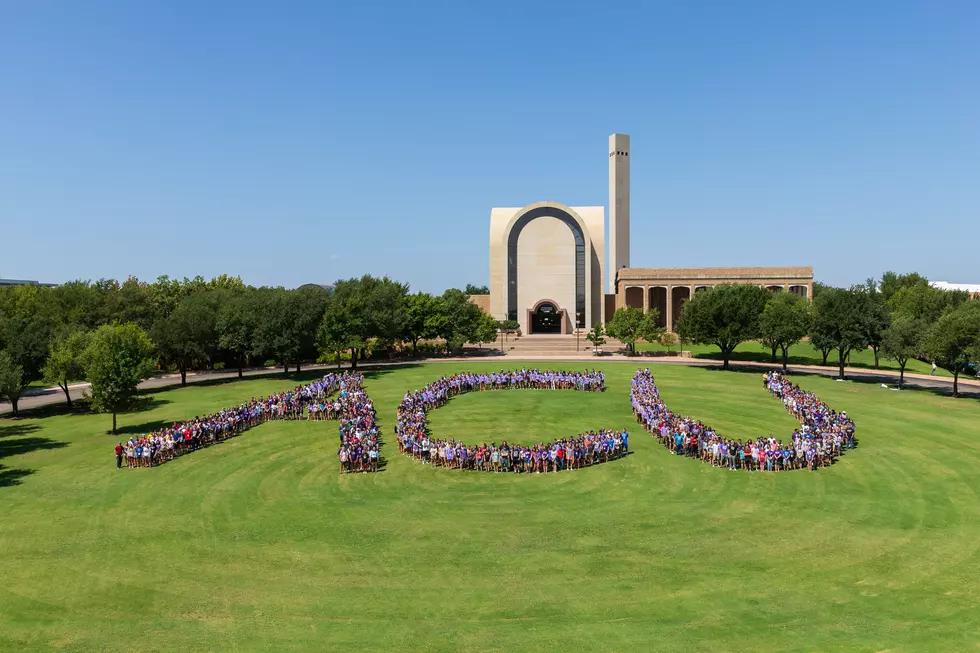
[[457, 319], [27, 321], [904, 339], [839, 322], [11, 379], [344, 322], [922, 301], [136, 304], [785, 321], [235, 325], [631, 324], [275, 326], [309, 303], [188, 337], [875, 318], [954, 340], [118, 358], [724, 315], [668, 339], [78, 306], [476, 290], [892, 282], [596, 336], [66, 361], [362, 310], [486, 329], [420, 317]]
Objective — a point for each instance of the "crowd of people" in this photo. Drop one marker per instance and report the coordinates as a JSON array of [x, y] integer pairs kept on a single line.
[[312, 402], [582, 450], [360, 436], [822, 437]]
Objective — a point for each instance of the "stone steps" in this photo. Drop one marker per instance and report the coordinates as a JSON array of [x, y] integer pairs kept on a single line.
[[548, 346]]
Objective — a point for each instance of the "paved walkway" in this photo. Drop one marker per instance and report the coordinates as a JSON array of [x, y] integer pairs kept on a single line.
[[970, 387]]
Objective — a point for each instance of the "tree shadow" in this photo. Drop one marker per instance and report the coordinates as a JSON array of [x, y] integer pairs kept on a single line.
[[16, 447], [9, 477], [941, 389], [15, 429]]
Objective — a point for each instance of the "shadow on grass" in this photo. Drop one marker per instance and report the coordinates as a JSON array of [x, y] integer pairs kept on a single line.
[[15, 429], [9, 477], [18, 446], [940, 388]]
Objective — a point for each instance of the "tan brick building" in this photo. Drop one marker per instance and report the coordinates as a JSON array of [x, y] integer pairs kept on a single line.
[[548, 264], [666, 289]]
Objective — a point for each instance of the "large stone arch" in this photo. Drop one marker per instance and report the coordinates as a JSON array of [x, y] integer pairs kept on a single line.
[[582, 311]]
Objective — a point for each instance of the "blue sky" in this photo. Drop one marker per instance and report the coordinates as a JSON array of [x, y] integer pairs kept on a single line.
[[294, 142]]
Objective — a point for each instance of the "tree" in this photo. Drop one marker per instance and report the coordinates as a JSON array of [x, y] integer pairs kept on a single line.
[[27, 320], [922, 301], [954, 339], [903, 340], [486, 330], [457, 319], [344, 322], [188, 337], [275, 326], [66, 361], [892, 282], [11, 378], [875, 318], [420, 312], [235, 325], [631, 324], [724, 315], [476, 290], [308, 306], [596, 336], [668, 339], [839, 321], [118, 358], [785, 320], [361, 310]]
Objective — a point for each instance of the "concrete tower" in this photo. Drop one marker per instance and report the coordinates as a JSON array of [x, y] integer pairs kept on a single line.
[[619, 205]]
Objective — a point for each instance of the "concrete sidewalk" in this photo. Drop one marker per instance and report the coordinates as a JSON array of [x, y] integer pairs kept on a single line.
[[970, 387]]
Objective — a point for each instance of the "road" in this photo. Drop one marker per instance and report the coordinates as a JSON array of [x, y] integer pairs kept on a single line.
[[969, 387]]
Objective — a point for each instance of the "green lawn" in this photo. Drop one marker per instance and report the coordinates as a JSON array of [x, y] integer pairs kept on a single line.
[[258, 544], [802, 353]]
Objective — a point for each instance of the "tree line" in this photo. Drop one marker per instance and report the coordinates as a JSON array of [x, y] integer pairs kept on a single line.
[[116, 334], [899, 317]]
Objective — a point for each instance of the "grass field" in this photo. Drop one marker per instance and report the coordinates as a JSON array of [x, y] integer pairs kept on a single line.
[[258, 543], [802, 353]]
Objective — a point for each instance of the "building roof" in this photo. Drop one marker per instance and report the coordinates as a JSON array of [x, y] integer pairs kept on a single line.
[[24, 282], [716, 273], [945, 285]]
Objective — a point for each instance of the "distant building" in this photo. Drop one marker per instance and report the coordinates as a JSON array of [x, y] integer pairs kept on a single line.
[[25, 282], [548, 267], [972, 288]]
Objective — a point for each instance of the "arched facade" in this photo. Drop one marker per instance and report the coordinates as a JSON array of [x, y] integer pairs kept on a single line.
[[547, 251]]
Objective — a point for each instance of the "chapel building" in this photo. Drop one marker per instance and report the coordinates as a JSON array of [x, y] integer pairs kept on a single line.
[[548, 264]]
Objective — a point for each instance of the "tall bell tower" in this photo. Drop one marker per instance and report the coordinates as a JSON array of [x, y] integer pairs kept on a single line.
[[619, 206]]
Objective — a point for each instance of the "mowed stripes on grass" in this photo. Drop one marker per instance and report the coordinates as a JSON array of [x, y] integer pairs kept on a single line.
[[260, 544]]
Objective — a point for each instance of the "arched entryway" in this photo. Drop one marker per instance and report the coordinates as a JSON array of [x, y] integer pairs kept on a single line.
[[546, 317]]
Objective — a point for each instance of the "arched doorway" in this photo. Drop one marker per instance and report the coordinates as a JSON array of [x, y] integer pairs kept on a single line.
[[547, 318], [581, 245]]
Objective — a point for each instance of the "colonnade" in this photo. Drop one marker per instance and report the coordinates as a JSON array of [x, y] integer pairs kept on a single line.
[[668, 299]]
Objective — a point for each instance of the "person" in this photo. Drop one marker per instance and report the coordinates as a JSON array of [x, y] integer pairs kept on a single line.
[[821, 439], [933, 373], [119, 455], [574, 452]]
